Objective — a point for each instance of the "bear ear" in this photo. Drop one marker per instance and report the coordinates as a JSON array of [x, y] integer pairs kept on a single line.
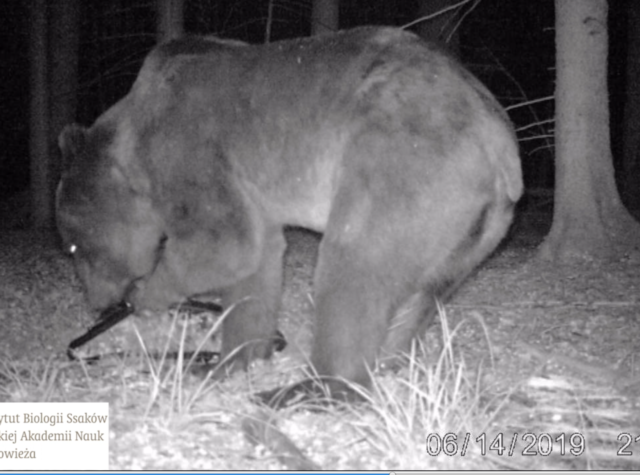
[[71, 141]]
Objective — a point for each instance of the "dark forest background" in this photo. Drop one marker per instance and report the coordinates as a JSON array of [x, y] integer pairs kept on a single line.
[[508, 44]]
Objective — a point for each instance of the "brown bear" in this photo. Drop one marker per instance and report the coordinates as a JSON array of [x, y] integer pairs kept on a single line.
[[379, 140]]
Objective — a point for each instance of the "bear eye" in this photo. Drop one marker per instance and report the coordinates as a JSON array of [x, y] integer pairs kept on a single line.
[[72, 249]]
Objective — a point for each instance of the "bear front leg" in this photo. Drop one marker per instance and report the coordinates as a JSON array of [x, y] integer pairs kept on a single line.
[[250, 330]]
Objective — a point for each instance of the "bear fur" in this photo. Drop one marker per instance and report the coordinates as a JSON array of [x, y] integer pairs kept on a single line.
[[373, 137]]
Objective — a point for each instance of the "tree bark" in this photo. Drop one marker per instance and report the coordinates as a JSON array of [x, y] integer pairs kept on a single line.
[[589, 219], [631, 135], [41, 211], [325, 16], [170, 20]]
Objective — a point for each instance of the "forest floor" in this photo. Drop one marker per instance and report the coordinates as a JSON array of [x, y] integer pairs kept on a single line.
[[537, 349]]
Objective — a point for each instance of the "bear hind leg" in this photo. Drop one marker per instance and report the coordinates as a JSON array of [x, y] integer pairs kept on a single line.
[[355, 298], [352, 303]]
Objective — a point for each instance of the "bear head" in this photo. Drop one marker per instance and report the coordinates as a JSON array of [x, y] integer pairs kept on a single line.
[[105, 218], [146, 230]]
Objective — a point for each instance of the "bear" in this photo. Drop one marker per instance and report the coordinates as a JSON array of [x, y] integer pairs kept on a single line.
[[382, 142]]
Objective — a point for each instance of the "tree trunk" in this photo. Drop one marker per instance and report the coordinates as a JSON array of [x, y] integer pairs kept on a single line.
[[170, 20], [442, 28], [41, 211], [325, 16], [269, 26], [631, 136], [64, 33], [589, 219]]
